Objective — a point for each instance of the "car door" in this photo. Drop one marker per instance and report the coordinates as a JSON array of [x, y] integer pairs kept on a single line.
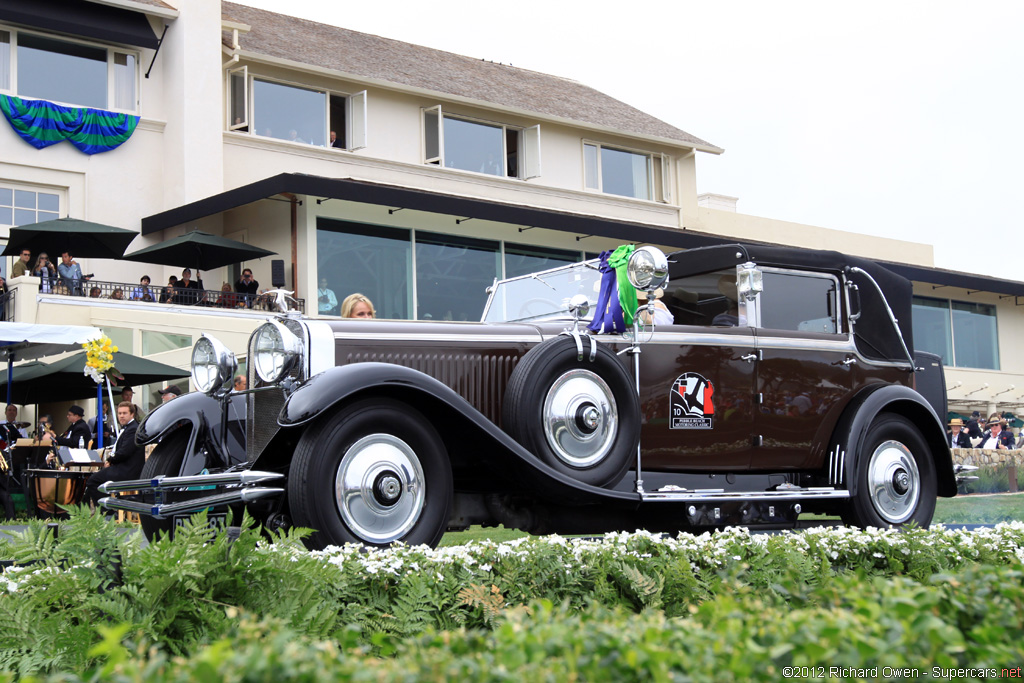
[[697, 381], [806, 368]]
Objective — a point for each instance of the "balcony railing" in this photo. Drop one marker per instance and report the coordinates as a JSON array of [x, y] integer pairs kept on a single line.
[[95, 289], [7, 305]]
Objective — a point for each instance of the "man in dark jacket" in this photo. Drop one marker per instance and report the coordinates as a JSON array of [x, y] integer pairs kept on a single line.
[[956, 436], [997, 435], [127, 459], [78, 434], [975, 426]]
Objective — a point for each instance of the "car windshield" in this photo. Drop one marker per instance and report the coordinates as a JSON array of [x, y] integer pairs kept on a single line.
[[543, 295]]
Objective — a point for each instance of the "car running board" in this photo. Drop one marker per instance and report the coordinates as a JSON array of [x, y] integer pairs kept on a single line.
[[674, 494], [244, 480]]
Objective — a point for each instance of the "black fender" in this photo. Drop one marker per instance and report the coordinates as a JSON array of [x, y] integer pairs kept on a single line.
[[456, 420], [201, 415], [860, 413]]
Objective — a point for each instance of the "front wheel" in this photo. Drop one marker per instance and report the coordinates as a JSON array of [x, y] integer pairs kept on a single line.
[[375, 472], [895, 477], [166, 460]]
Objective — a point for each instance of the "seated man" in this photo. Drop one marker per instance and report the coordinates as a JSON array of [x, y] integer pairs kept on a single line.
[[127, 459]]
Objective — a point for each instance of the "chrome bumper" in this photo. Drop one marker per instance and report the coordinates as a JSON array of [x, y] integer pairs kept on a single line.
[[237, 487]]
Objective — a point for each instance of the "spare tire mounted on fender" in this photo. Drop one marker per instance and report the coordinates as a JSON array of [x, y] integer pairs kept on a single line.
[[579, 416]]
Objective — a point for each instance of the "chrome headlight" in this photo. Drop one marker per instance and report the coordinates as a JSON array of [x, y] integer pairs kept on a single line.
[[647, 268], [276, 351], [213, 365]]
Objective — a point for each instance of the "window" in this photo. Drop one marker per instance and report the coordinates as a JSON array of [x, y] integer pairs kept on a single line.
[[69, 72], [122, 337], [799, 302], [369, 259], [478, 146], [295, 113], [523, 259], [158, 342], [625, 173], [964, 334], [23, 206], [452, 275]]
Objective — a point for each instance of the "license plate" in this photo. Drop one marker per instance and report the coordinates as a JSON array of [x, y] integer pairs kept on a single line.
[[214, 519]]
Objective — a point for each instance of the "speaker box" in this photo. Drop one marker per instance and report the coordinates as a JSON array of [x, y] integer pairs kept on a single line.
[[277, 272]]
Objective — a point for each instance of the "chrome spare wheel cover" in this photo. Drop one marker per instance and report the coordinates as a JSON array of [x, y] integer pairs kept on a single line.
[[379, 488], [894, 482], [580, 418]]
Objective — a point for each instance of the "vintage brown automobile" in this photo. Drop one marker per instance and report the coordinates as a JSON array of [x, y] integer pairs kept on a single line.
[[786, 383]]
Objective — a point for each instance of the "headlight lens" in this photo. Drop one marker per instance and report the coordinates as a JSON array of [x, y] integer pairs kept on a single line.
[[213, 365], [276, 351], [647, 268]]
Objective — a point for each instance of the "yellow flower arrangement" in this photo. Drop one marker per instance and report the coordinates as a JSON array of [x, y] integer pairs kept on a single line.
[[99, 359]]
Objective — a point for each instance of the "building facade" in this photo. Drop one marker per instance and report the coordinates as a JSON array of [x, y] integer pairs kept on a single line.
[[412, 175]]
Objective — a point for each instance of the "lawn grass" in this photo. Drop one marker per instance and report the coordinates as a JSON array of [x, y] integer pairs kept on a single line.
[[972, 509]]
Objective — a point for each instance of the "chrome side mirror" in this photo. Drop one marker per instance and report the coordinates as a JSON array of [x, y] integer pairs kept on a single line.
[[579, 306]]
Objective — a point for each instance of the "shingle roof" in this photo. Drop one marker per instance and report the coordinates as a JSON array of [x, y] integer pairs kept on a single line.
[[384, 59]]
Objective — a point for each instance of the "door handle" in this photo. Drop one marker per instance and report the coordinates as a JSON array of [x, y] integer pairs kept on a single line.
[[750, 357], [848, 362]]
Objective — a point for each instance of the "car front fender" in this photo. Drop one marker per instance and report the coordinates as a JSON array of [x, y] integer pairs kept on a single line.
[[201, 415]]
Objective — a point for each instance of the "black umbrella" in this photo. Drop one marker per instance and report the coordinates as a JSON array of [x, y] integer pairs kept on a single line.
[[199, 250], [65, 379], [81, 238]]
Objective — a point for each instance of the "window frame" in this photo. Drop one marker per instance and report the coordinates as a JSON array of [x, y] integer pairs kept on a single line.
[[110, 94], [528, 161], [659, 171], [755, 312], [356, 109]]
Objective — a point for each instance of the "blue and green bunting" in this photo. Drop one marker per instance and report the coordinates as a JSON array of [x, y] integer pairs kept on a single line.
[[41, 124]]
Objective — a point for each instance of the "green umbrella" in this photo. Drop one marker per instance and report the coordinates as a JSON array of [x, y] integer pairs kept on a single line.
[[84, 239], [65, 379], [198, 250]]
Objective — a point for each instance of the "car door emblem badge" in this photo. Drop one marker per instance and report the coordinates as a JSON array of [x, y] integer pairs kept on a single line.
[[691, 402]]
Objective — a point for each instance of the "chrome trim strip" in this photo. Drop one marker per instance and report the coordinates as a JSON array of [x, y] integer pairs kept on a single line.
[[720, 496], [376, 336], [243, 478]]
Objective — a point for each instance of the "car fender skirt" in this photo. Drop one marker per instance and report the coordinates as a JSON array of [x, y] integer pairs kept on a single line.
[[456, 420], [855, 425]]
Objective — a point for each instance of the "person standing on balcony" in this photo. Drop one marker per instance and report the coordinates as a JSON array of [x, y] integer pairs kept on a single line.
[[143, 292], [46, 273], [21, 266], [248, 287], [186, 289], [71, 274]]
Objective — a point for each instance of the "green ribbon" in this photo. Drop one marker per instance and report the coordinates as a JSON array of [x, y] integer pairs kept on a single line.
[[627, 293]]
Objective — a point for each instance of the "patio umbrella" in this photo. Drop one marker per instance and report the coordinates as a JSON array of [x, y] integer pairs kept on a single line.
[[84, 239], [65, 379], [21, 341], [198, 250]]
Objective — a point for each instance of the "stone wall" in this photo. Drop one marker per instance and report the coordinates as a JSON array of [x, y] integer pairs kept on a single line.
[[981, 457]]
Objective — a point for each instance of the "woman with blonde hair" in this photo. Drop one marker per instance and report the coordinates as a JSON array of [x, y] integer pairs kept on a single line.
[[357, 306]]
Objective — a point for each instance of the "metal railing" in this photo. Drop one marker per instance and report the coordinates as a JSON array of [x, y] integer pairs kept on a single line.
[[7, 307], [96, 289]]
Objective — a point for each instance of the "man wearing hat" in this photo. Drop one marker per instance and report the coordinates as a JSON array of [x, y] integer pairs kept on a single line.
[[997, 436], [77, 435], [956, 435], [170, 392]]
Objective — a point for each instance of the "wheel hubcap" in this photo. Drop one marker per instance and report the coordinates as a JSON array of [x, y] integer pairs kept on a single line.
[[580, 418], [379, 488], [894, 482]]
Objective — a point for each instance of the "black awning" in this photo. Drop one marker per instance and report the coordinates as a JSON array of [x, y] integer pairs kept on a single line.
[[82, 18], [464, 207], [951, 278], [420, 200]]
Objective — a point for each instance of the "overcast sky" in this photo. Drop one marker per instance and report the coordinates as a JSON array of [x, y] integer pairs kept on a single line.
[[898, 118]]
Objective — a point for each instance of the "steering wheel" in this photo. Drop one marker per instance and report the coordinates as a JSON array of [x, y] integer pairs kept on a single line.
[[537, 306]]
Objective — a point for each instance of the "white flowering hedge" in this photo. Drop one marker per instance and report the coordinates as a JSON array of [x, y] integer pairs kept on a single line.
[[455, 609]]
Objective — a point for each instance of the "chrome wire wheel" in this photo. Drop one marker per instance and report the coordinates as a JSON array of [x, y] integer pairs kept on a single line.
[[893, 481], [379, 488], [580, 418]]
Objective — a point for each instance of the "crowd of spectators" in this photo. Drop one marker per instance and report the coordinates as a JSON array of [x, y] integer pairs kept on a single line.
[[979, 432], [67, 278]]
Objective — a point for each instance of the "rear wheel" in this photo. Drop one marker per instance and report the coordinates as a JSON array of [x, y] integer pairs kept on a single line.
[[895, 477], [375, 472]]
